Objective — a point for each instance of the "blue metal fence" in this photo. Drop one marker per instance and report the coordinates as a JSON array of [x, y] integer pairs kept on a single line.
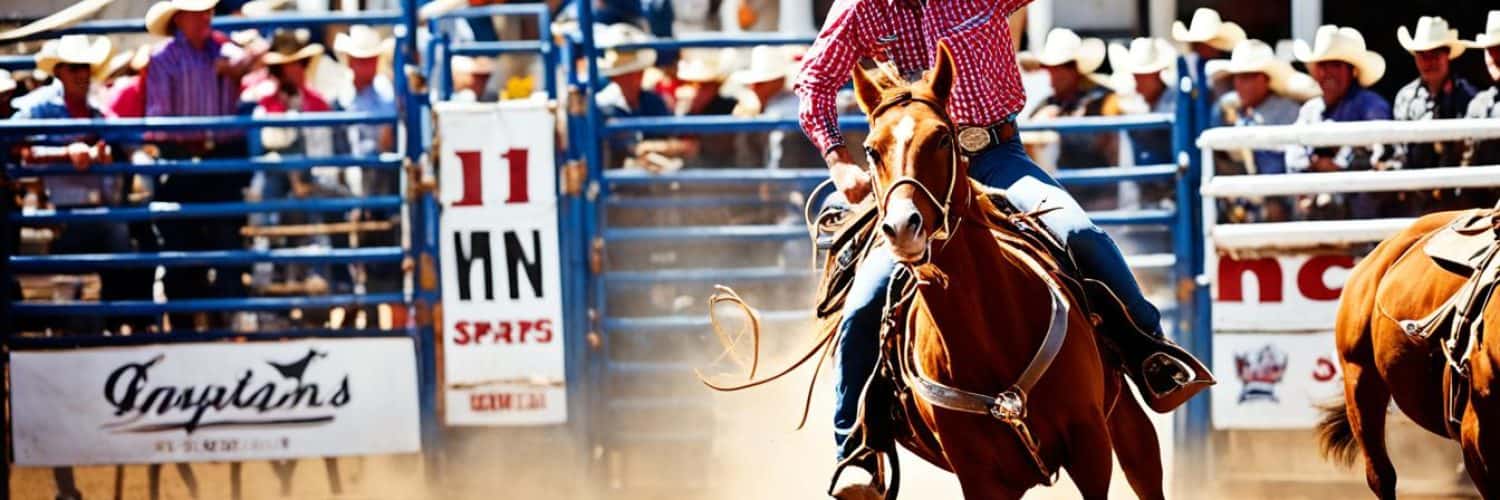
[[410, 107], [598, 379]]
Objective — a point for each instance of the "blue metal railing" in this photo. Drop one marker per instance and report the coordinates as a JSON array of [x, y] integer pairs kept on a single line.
[[411, 107], [443, 48]]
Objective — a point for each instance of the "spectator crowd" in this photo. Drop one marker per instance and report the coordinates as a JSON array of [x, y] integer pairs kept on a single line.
[[190, 68]]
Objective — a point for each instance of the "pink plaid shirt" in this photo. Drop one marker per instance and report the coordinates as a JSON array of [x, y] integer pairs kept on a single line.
[[988, 86]]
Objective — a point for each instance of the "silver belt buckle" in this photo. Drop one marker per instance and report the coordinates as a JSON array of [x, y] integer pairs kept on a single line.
[[974, 139]]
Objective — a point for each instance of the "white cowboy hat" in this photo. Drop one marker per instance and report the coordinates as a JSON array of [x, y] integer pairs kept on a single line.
[[7, 83], [159, 17], [1207, 27], [134, 59], [1333, 43], [74, 49], [472, 65], [767, 64], [290, 46], [1491, 35], [1432, 33], [619, 62], [705, 67], [1144, 56], [1255, 56], [258, 8], [1063, 46], [362, 42]]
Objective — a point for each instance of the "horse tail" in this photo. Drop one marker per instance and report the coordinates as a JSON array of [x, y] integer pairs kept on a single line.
[[1336, 435]]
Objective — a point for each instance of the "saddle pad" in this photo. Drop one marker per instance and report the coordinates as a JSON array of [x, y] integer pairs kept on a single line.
[[1418, 310], [1457, 252]]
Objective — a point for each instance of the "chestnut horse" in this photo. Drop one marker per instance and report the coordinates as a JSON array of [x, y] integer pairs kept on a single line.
[[982, 313], [1398, 282]]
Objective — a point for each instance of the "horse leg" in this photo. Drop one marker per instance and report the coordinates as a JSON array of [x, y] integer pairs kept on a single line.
[[1136, 446], [1367, 399], [1090, 458], [985, 484]]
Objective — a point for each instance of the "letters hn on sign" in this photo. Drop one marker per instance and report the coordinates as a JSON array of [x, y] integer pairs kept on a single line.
[[517, 259]]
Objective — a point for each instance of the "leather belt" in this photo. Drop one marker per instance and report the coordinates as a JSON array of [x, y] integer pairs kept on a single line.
[[975, 140]]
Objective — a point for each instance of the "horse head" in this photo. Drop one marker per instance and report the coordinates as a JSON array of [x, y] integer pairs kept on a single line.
[[913, 157]]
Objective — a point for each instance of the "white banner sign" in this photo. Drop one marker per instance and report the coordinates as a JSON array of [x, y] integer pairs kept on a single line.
[[214, 401], [502, 292], [1278, 294], [1274, 381]]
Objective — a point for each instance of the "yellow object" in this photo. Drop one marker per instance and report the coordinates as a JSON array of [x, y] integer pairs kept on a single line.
[[519, 87]]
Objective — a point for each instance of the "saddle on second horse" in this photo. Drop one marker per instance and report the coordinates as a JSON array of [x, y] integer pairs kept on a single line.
[[1469, 247]]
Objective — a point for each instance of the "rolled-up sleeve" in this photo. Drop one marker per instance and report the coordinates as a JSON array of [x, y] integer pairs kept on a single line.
[[825, 69]]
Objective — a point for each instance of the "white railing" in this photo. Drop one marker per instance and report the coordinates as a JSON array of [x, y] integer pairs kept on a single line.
[[1314, 234]]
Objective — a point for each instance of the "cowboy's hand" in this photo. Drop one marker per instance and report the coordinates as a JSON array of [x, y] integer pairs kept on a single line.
[[80, 155], [851, 180]]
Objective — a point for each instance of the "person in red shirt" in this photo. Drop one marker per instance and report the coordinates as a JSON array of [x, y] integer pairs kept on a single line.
[[986, 97], [127, 95]]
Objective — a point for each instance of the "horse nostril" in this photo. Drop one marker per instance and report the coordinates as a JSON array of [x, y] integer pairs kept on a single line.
[[889, 230], [914, 222]]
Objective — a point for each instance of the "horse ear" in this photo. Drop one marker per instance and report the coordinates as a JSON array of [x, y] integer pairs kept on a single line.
[[944, 71], [867, 90]]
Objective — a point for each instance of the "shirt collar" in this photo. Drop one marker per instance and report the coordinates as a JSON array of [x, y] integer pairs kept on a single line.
[[209, 45]]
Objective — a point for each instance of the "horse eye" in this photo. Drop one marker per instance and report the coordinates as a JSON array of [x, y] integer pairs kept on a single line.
[[946, 140], [872, 154]]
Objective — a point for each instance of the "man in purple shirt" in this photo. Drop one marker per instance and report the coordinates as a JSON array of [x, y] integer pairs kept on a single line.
[[197, 73], [1344, 70]]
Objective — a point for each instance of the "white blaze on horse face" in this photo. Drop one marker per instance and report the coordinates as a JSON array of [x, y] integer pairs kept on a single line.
[[906, 239], [905, 130]]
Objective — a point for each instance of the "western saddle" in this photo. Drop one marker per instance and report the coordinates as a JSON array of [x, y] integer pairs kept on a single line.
[[1467, 247]]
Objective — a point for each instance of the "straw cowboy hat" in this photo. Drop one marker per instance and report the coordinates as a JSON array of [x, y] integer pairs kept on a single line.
[[288, 46], [1491, 35], [136, 60], [258, 8], [1063, 46], [705, 68], [74, 49], [1144, 56], [7, 83], [472, 65], [620, 62], [1432, 33], [362, 42], [1207, 27], [767, 64], [1255, 56], [159, 17], [1333, 43]]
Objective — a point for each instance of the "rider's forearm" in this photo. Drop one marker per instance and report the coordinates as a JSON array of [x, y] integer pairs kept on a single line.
[[838, 156]]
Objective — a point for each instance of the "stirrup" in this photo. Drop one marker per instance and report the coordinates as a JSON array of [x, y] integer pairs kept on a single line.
[[1188, 379]]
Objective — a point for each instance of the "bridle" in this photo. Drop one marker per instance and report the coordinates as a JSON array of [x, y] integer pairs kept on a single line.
[[942, 205]]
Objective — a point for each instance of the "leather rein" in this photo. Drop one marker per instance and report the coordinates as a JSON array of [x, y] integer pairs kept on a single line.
[[1008, 406]]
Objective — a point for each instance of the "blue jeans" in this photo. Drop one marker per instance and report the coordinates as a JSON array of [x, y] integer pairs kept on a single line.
[[1029, 188]]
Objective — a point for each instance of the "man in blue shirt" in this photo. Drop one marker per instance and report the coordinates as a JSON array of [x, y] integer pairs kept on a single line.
[[74, 61], [1344, 69]]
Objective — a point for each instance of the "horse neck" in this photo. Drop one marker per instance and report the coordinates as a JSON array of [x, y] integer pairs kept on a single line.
[[993, 309]]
